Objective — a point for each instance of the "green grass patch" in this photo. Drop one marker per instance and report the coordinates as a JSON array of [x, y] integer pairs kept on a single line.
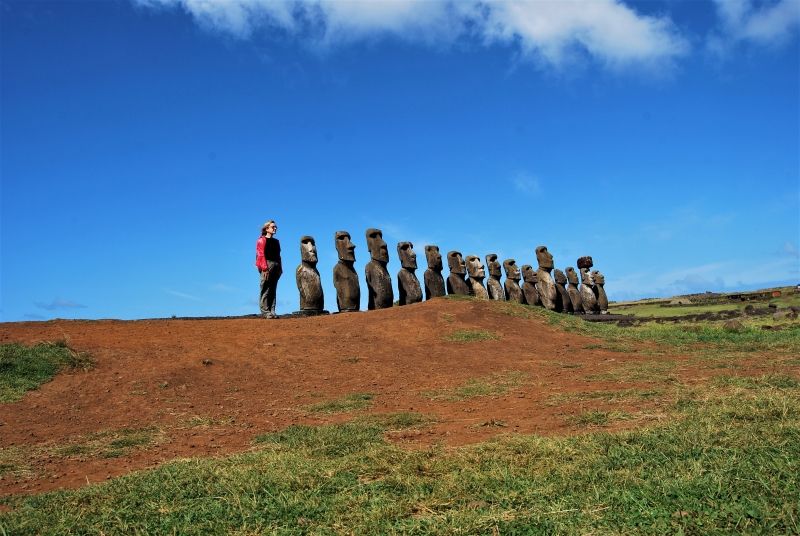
[[722, 465], [107, 444], [471, 335], [606, 396], [492, 385], [24, 368], [351, 402], [597, 418], [640, 371], [778, 381]]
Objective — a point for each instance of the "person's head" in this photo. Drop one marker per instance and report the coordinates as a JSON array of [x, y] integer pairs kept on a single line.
[[269, 228]]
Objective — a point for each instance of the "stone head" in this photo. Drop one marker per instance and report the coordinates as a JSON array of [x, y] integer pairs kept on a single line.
[[434, 258], [544, 258], [585, 262], [586, 277], [598, 278], [494, 266], [377, 246], [560, 278], [529, 274], [512, 270], [308, 249], [408, 259], [475, 269], [344, 246], [572, 276], [456, 263]]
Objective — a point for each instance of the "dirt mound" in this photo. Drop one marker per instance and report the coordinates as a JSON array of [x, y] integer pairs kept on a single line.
[[209, 387]]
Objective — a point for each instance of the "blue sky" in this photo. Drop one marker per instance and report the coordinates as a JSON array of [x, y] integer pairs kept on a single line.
[[144, 142]]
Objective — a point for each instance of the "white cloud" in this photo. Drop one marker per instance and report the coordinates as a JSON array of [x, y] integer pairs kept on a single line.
[[743, 20], [182, 295], [526, 184], [548, 30], [58, 304]]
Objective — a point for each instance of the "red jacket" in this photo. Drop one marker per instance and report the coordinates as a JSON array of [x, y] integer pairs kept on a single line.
[[261, 261]]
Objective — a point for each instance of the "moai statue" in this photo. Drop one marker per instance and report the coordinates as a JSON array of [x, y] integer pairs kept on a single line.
[[587, 292], [455, 281], [511, 286], [477, 273], [312, 300], [493, 286], [407, 282], [529, 291], [379, 282], [563, 303], [434, 282], [599, 292], [348, 292], [545, 285], [572, 290]]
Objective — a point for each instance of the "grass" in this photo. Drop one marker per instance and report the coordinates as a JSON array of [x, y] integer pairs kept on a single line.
[[24, 368], [492, 385], [351, 402], [471, 335], [725, 463], [640, 371], [597, 418], [606, 396]]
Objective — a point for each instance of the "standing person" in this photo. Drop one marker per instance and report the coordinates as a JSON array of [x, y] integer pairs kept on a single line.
[[268, 262]]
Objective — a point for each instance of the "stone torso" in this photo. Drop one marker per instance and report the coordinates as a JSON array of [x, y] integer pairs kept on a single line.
[[572, 290], [546, 288], [434, 284], [495, 289], [348, 291], [457, 285], [513, 292], [477, 289], [379, 284], [530, 294], [408, 287], [310, 287], [588, 299]]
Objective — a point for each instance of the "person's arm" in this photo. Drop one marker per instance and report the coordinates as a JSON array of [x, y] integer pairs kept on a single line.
[[261, 261]]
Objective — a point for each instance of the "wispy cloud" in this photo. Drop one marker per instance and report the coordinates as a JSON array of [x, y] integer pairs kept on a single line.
[[756, 22], [59, 304], [222, 287], [551, 32], [526, 184], [182, 295]]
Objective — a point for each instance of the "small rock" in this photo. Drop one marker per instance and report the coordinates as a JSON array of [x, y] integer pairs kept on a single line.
[[750, 309], [733, 325], [207, 362]]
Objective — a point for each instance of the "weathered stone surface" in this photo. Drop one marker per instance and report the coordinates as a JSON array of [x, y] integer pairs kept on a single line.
[[733, 325], [434, 282], [455, 281], [309, 283], [477, 273], [545, 285], [493, 286], [600, 292], [408, 286], [585, 262], [572, 290], [345, 279], [563, 303], [529, 292], [511, 285], [379, 282], [587, 292]]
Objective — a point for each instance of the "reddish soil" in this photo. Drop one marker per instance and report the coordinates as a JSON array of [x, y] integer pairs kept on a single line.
[[262, 373]]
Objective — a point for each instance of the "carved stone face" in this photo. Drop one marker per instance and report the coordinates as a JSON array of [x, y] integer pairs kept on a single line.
[[377, 246], [529, 274], [572, 276], [544, 258], [434, 258], [585, 262], [408, 259], [456, 263], [560, 278], [308, 249], [512, 270], [586, 277], [344, 247], [598, 278], [494, 266], [475, 269]]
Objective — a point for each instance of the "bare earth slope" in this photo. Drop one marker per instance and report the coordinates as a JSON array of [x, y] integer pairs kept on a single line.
[[244, 377]]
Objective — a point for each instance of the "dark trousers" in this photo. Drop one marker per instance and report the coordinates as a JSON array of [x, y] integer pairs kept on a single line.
[[269, 288]]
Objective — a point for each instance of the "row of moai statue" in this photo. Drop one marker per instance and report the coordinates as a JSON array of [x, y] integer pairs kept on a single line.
[[466, 278]]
